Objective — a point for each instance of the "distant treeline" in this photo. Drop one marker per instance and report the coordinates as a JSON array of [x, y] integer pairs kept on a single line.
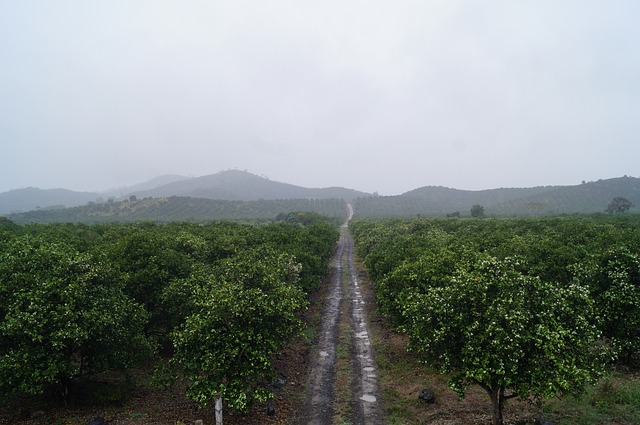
[[164, 210], [437, 201]]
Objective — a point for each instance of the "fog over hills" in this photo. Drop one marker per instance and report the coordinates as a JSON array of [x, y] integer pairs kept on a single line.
[[242, 186], [587, 197], [148, 185], [235, 185], [32, 198], [230, 185]]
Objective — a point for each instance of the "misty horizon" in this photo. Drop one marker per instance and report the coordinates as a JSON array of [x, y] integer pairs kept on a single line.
[[377, 96], [125, 188]]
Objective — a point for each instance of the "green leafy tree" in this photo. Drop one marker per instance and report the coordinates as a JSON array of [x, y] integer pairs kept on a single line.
[[429, 270], [311, 246], [149, 260], [614, 279], [241, 315], [63, 315], [619, 204], [511, 334], [8, 229], [477, 211]]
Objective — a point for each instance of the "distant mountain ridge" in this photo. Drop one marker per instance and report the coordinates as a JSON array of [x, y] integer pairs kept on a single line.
[[230, 185], [148, 185], [241, 186], [32, 198], [235, 185], [439, 201]]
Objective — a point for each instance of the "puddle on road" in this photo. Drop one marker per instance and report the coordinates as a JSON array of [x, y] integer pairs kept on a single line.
[[368, 398], [320, 398]]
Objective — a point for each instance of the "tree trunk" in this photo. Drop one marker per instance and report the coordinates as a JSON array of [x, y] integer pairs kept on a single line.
[[219, 411], [497, 401], [65, 390]]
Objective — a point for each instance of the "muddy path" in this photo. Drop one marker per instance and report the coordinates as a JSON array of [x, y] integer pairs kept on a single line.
[[344, 329]]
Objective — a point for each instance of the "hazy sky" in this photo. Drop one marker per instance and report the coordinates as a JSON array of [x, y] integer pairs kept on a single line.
[[373, 95]]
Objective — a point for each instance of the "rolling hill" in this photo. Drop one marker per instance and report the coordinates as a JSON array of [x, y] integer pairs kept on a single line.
[[32, 198], [141, 187], [231, 185], [235, 185], [233, 189], [439, 201]]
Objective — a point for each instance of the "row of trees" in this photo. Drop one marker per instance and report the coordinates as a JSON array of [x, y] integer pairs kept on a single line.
[[217, 299], [526, 308], [176, 208]]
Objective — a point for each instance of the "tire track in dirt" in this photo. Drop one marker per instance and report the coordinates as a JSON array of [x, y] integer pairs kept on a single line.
[[319, 408], [366, 372], [319, 405]]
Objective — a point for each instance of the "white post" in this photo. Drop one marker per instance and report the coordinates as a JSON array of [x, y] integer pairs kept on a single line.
[[219, 411]]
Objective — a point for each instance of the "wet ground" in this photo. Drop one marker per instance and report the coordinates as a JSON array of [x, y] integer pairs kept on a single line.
[[320, 401]]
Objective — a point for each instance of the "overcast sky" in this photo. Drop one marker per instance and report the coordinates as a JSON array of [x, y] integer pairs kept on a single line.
[[373, 95]]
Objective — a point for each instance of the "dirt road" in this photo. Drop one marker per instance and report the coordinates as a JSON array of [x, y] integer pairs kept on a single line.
[[344, 296]]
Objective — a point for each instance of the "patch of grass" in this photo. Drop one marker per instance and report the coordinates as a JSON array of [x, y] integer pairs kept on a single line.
[[614, 400], [400, 409], [309, 333], [134, 415]]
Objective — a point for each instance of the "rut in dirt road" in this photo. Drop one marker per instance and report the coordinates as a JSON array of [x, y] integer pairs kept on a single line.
[[365, 400]]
